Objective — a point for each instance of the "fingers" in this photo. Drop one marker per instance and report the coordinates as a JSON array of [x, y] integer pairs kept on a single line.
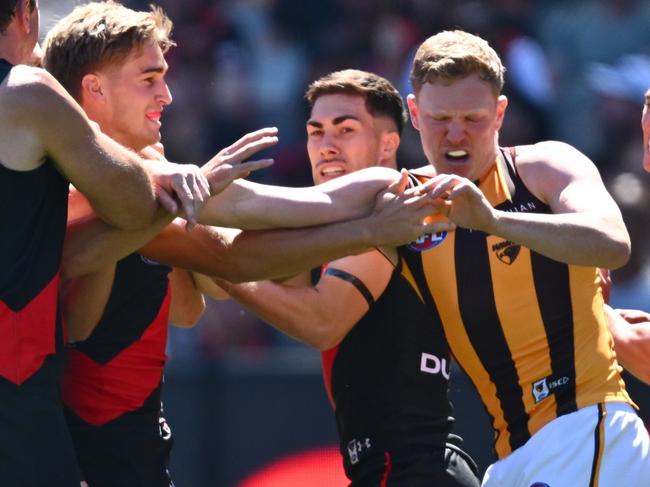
[[252, 137], [250, 166], [166, 200], [186, 198], [251, 148], [399, 185]]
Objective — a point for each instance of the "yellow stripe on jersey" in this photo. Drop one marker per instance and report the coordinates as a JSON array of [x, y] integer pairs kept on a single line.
[[530, 332]]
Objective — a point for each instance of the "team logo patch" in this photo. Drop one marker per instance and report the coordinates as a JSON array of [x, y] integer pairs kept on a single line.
[[540, 392], [549, 385], [427, 241], [506, 251], [356, 448]]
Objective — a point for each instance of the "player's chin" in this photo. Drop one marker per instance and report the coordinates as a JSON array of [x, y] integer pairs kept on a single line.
[[646, 160]]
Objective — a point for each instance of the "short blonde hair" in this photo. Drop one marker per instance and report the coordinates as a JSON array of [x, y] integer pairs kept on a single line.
[[452, 55], [98, 34]]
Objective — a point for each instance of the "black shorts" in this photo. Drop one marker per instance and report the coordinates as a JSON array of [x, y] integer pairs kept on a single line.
[[130, 451], [35, 446], [452, 467]]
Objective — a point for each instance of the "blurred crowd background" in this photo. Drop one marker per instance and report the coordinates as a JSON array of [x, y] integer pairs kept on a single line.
[[577, 72]]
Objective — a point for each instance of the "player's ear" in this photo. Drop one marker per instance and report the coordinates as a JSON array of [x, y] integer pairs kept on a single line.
[[91, 88], [24, 14], [389, 143], [412, 104], [502, 104]]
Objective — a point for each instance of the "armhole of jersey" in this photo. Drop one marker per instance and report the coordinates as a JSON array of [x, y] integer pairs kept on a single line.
[[355, 281]]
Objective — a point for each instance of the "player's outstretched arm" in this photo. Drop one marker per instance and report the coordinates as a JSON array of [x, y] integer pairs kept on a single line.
[[319, 316], [91, 243], [252, 206], [46, 121], [272, 254]]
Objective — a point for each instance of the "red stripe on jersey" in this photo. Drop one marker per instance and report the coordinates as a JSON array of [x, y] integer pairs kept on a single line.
[[327, 360], [100, 393], [28, 335], [388, 466]]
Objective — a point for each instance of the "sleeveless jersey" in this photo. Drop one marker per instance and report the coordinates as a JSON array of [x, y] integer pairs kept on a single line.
[[529, 331], [388, 381], [33, 212], [120, 365]]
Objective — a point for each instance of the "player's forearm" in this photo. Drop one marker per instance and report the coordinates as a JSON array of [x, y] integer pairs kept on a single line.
[[294, 311], [252, 206], [275, 254], [574, 238], [124, 194], [256, 255], [90, 243]]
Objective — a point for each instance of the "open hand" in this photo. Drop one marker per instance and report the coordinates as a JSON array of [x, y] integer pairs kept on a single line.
[[228, 164]]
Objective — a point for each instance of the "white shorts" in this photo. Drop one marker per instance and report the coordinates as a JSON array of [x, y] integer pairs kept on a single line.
[[581, 449]]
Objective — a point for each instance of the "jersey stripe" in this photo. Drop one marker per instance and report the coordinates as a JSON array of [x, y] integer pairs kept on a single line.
[[530, 332], [554, 298], [484, 330]]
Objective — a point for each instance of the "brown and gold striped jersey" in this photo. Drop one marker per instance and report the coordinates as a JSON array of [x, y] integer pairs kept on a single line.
[[529, 331]]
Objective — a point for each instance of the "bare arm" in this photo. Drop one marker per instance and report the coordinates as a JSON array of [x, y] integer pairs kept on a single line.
[[272, 254], [187, 303], [91, 243], [322, 315], [631, 341], [252, 206], [83, 301], [586, 227], [42, 119]]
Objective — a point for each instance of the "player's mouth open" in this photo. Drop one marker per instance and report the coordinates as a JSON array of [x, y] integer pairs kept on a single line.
[[457, 155], [154, 116], [332, 171]]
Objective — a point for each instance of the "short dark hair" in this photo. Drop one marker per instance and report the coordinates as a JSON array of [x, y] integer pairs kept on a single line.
[[382, 98], [8, 10]]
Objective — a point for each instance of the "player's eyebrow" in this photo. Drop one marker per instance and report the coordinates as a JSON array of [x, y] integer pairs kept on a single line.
[[336, 121]]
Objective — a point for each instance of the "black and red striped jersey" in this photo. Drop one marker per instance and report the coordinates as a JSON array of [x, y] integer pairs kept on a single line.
[[529, 331], [116, 369], [388, 381], [33, 212]]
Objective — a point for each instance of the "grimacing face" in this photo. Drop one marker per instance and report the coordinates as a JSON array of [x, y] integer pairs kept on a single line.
[[342, 137], [645, 127], [135, 95], [458, 124]]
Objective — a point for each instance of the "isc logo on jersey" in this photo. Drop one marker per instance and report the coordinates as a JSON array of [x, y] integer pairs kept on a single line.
[[427, 241]]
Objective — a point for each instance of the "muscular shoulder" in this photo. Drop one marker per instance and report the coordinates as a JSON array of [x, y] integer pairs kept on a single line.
[[550, 163], [30, 93], [30, 100], [550, 155]]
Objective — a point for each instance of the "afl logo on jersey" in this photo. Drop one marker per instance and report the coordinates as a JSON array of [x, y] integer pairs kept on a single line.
[[427, 241]]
